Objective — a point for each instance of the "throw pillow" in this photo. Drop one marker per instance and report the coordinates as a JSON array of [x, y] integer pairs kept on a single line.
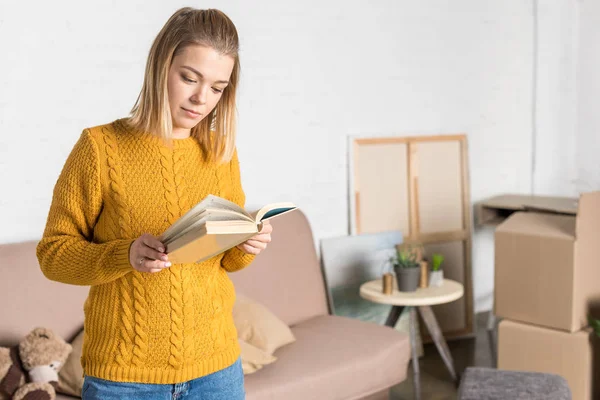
[[258, 326], [254, 358], [70, 376]]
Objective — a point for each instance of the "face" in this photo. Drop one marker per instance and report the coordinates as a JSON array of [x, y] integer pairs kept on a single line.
[[197, 77]]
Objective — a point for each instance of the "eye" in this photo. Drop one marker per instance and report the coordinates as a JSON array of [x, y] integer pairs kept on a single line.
[[185, 78], [217, 90]]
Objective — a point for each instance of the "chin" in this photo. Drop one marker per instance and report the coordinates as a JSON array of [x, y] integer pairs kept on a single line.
[[185, 123]]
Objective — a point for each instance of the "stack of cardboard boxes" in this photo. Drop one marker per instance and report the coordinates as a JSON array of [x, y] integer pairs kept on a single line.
[[547, 282]]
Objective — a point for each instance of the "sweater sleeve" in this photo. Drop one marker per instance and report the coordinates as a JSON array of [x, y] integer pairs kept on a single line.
[[235, 259], [66, 252]]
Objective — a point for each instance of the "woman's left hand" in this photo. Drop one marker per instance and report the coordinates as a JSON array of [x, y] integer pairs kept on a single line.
[[258, 243]]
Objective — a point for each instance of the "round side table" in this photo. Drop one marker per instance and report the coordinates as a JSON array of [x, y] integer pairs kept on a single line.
[[422, 300]]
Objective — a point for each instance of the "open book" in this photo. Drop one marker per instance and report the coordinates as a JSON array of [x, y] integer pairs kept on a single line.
[[213, 226]]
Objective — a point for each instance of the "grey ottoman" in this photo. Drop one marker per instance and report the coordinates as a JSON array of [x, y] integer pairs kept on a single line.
[[493, 384]]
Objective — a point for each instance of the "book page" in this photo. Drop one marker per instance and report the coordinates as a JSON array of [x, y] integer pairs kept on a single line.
[[219, 202], [226, 217], [193, 213], [230, 227], [199, 211], [172, 233]]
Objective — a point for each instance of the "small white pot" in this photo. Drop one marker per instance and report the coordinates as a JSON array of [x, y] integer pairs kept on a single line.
[[436, 278]]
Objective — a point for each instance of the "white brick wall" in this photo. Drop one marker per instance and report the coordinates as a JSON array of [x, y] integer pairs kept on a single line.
[[314, 72], [588, 97], [555, 97]]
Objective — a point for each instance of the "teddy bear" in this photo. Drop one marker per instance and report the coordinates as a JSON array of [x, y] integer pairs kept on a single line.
[[29, 371]]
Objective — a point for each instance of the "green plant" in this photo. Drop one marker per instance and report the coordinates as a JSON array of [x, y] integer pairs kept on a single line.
[[407, 256], [436, 262], [595, 324]]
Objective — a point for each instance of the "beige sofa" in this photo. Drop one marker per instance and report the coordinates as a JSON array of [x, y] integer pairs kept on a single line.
[[332, 358]]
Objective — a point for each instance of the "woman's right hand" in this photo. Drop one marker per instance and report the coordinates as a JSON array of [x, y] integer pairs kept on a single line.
[[146, 254]]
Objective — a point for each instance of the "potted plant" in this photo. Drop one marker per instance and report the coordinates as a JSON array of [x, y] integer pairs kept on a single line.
[[436, 275], [406, 264]]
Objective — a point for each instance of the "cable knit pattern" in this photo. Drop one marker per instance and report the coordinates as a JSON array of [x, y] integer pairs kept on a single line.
[[189, 324], [117, 194], [140, 349], [176, 359], [166, 327], [140, 316], [169, 184], [173, 212], [180, 184], [123, 356], [186, 279]]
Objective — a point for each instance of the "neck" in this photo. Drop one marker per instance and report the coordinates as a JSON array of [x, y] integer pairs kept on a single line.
[[181, 133]]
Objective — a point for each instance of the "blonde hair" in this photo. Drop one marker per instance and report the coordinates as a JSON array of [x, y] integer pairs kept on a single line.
[[151, 113]]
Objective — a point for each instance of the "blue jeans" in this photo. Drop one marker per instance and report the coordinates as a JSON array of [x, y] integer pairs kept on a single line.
[[227, 384]]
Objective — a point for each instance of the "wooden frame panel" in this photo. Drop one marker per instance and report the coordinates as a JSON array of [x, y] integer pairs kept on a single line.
[[388, 163]]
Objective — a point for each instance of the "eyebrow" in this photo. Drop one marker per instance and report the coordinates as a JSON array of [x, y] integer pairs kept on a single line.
[[200, 75]]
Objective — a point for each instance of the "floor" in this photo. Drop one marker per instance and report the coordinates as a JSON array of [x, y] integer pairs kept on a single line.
[[436, 383]]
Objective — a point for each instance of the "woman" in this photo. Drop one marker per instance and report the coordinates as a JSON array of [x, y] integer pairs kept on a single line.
[[156, 330]]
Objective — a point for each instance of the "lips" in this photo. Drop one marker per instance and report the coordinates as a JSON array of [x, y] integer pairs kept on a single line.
[[191, 111]]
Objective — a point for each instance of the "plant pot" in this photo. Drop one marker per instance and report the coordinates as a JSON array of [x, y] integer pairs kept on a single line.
[[407, 278], [436, 278]]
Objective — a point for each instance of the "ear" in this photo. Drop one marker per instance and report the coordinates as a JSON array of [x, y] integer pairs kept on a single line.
[[42, 333]]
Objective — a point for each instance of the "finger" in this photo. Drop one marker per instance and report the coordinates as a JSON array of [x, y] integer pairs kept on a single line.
[[154, 270], [249, 249], [256, 244], [263, 237], [145, 265], [152, 254], [266, 227], [157, 264], [153, 243]]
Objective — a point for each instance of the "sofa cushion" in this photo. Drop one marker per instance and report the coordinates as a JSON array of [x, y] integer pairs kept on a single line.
[[333, 358]]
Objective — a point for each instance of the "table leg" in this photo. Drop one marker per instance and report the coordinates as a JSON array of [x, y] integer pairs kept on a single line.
[[492, 337], [438, 338], [393, 316], [415, 356]]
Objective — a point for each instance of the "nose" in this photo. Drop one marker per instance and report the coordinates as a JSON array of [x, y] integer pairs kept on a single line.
[[199, 97]]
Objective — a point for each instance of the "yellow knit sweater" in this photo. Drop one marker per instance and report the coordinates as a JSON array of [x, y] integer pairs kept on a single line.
[[165, 327]]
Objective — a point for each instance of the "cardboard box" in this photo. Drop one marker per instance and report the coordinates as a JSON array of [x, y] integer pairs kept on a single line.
[[495, 210], [547, 266], [523, 347]]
